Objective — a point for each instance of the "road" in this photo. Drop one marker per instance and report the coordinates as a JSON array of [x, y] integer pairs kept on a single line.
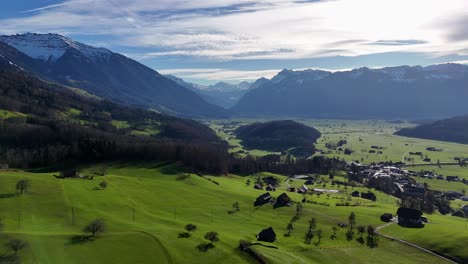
[[409, 243]]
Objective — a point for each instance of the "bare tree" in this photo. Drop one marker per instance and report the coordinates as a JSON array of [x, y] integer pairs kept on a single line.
[[22, 185], [96, 226]]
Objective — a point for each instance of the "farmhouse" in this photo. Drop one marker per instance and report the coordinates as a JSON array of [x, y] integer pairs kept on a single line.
[[270, 188], [409, 217], [271, 180], [464, 198], [69, 174], [452, 195], [263, 199], [465, 209], [452, 178], [4, 166], [291, 189], [355, 194], [387, 217], [282, 200], [303, 189], [258, 186], [369, 196], [267, 235]]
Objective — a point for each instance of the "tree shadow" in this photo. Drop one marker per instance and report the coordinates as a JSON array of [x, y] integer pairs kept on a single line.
[[79, 239], [204, 247], [10, 259], [7, 195]]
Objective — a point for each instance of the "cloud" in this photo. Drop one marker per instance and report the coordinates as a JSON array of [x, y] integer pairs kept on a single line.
[[257, 29], [220, 74], [398, 42]]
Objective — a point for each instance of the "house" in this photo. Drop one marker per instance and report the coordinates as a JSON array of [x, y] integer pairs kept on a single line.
[[303, 189], [263, 199], [309, 182], [69, 174], [452, 178], [4, 166], [452, 195], [355, 194], [271, 180], [465, 209], [459, 213], [267, 235], [291, 189], [409, 217], [270, 188], [386, 217], [258, 186], [464, 198], [282, 200], [369, 196]]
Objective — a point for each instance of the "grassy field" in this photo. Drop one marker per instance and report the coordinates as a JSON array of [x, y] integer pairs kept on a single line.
[[147, 206], [360, 136]]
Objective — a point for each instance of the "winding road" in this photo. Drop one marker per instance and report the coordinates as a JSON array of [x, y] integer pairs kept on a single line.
[[409, 243]]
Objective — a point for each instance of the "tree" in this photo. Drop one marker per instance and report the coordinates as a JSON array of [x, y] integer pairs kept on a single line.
[[371, 236], [290, 228], [334, 229], [96, 226], [22, 185], [352, 220], [17, 245], [361, 229], [103, 185], [310, 232], [319, 235], [349, 235], [235, 206], [190, 227], [247, 182], [212, 237]]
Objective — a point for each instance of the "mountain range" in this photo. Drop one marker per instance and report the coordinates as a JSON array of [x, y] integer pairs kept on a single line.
[[104, 73], [222, 94], [417, 92]]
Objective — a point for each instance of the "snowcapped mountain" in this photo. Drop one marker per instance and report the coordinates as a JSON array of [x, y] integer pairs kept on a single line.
[[221, 94], [389, 93], [104, 73], [51, 47]]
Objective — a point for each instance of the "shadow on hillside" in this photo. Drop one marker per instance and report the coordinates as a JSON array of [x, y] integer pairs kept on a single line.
[[9, 259], [7, 195], [79, 239]]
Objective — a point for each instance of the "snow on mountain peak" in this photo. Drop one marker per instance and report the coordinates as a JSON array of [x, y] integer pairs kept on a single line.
[[50, 47]]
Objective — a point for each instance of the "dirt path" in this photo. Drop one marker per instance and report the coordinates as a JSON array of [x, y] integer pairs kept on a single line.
[[163, 248], [409, 243]]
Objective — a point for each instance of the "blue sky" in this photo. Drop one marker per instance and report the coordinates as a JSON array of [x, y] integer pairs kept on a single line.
[[206, 41]]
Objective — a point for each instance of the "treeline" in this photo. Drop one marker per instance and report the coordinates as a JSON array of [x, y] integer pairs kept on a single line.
[[284, 165], [37, 145]]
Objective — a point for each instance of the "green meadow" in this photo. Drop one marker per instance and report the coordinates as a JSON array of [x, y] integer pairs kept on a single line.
[[146, 206]]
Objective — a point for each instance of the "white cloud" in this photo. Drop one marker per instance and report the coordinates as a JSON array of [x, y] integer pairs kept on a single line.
[[262, 29]]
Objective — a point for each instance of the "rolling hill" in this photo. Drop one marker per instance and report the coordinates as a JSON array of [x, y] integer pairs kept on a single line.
[[46, 123], [436, 91], [102, 72], [452, 130], [279, 136]]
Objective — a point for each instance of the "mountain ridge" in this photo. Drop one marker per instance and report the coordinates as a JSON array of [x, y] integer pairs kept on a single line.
[[104, 73]]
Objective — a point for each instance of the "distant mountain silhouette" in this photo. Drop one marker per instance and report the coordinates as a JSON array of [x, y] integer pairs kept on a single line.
[[403, 92], [221, 94]]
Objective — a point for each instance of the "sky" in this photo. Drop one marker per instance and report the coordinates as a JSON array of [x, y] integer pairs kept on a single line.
[[205, 41]]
